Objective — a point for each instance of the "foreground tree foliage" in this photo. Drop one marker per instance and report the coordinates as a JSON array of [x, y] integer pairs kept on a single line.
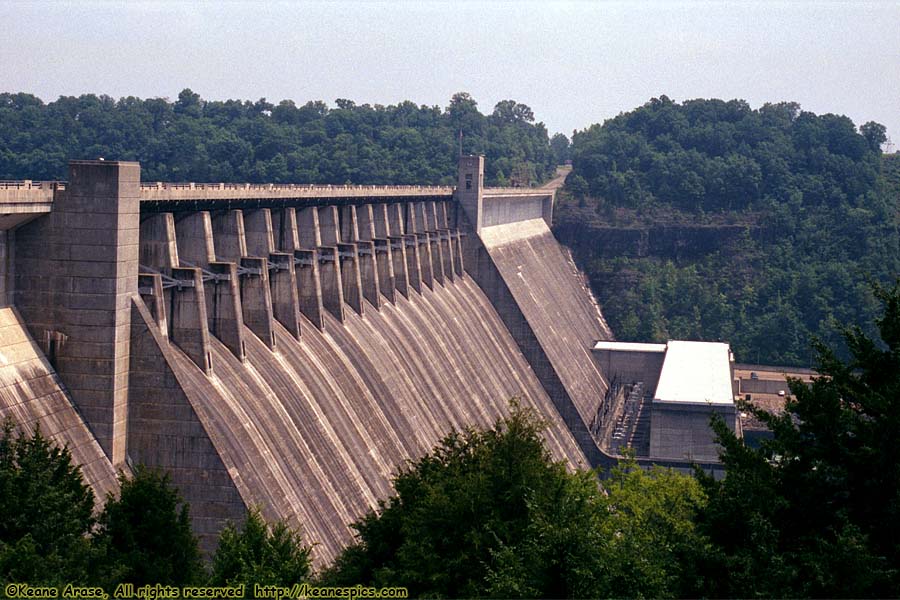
[[46, 511], [816, 510], [489, 514], [192, 139], [144, 535], [257, 553]]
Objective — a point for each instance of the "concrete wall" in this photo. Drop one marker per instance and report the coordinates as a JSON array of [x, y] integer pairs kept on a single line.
[[631, 366], [682, 432], [32, 394], [498, 210], [537, 290], [165, 431], [303, 394], [75, 272], [763, 386]]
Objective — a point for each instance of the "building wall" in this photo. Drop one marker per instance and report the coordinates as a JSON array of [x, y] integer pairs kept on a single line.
[[631, 366], [682, 431]]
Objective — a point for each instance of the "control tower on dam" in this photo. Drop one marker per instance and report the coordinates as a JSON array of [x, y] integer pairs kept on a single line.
[[288, 346]]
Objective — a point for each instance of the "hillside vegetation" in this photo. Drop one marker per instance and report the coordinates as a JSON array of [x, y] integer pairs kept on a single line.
[[818, 190], [193, 139], [768, 223]]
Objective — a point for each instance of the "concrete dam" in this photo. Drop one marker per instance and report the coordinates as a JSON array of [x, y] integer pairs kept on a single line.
[[287, 346]]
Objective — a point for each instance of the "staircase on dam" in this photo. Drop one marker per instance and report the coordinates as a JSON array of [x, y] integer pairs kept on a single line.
[[290, 347]]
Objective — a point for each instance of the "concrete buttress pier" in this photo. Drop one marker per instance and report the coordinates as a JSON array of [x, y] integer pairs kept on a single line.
[[76, 271]]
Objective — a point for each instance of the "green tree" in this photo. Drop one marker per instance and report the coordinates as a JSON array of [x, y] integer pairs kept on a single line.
[[651, 547], [559, 145], [46, 511], [875, 134], [816, 510], [490, 514], [144, 535], [256, 553], [464, 520]]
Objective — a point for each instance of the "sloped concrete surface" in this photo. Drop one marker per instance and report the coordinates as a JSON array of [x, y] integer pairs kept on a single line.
[[30, 393], [314, 431], [560, 310]]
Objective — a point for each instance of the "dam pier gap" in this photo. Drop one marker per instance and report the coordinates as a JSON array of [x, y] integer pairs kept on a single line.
[[290, 346]]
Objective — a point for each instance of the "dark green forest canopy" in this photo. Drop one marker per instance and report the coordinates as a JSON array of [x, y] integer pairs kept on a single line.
[[814, 201], [192, 139]]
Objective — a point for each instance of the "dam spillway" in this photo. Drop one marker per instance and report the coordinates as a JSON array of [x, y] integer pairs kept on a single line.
[[291, 347]]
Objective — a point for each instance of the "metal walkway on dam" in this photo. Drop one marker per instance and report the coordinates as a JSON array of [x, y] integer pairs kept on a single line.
[[288, 347]]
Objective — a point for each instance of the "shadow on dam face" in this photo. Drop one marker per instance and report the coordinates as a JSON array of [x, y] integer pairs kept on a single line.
[[292, 352]]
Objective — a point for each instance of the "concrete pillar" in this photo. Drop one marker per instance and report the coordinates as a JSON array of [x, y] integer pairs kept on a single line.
[[258, 229], [308, 230], [395, 219], [309, 287], [284, 223], [398, 258], [79, 265], [329, 226], [385, 265], [446, 253], [350, 276], [458, 253], [158, 248], [223, 307], [187, 317], [285, 299], [223, 296], [373, 219], [7, 267], [442, 217], [229, 235], [330, 281], [195, 239], [151, 290], [365, 221], [256, 299], [413, 264], [437, 256], [416, 222], [381, 221], [348, 223], [425, 263], [431, 216], [368, 272], [470, 189]]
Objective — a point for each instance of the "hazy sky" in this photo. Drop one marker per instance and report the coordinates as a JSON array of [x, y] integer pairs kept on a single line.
[[574, 63]]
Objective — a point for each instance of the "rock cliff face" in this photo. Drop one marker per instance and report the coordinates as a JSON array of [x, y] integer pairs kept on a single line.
[[590, 240]]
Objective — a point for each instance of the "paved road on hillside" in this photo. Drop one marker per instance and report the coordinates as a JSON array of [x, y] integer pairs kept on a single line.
[[561, 174]]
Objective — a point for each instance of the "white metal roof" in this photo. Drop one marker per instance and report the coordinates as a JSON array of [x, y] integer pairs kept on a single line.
[[630, 347], [697, 373]]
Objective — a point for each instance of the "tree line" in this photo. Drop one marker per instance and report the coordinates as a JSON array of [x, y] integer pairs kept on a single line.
[[818, 201], [812, 512], [192, 139]]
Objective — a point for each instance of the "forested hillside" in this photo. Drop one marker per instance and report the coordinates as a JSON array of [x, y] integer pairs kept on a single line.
[[805, 206], [193, 139], [704, 219]]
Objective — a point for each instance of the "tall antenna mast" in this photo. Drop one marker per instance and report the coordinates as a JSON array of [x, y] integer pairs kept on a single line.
[[460, 142]]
